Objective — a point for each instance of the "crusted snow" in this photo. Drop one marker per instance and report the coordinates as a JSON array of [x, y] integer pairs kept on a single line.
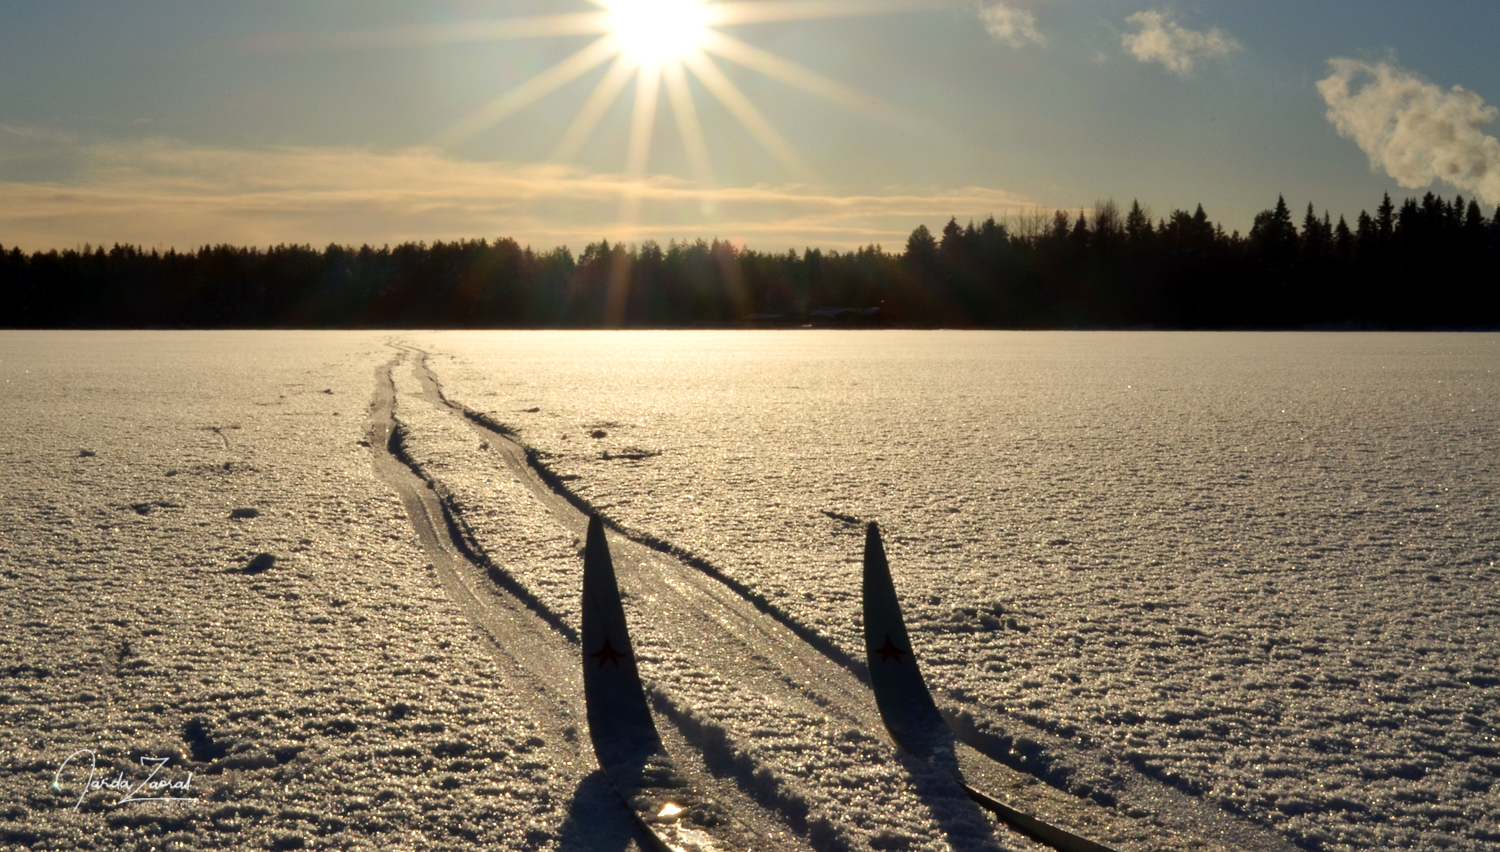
[[1257, 567], [336, 698], [1257, 571]]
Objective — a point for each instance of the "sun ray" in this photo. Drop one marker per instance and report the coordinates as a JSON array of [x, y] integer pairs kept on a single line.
[[728, 94], [660, 42], [583, 23], [642, 121], [688, 127], [810, 81], [767, 11], [537, 26], [529, 92], [593, 109]]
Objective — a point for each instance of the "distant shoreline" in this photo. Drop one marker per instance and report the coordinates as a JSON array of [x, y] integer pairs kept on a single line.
[[1427, 265]]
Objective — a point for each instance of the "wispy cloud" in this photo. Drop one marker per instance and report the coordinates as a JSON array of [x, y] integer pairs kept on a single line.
[[169, 193], [1412, 129], [1015, 27], [1162, 39]]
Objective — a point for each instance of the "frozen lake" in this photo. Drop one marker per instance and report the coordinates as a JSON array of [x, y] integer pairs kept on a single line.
[[1261, 565], [1255, 570]]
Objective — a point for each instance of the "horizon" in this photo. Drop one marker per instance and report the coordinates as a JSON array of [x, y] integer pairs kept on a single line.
[[769, 124]]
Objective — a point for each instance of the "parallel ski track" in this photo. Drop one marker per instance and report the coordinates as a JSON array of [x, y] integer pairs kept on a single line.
[[828, 676], [534, 659], [537, 648]]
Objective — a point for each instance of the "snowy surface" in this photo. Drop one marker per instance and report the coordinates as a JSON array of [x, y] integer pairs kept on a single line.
[[1257, 570], [1258, 567], [833, 775], [342, 700]]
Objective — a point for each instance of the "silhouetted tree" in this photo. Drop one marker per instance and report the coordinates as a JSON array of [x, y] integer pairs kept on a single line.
[[1428, 263]]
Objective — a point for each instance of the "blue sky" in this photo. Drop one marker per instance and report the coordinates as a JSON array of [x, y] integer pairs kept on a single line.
[[185, 123]]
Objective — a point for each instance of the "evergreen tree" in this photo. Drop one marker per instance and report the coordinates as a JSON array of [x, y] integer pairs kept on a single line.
[[1473, 219], [1272, 235], [1429, 263], [1385, 224], [1060, 225], [1343, 239], [1138, 224], [1317, 234], [1080, 233], [921, 248], [1273, 244]]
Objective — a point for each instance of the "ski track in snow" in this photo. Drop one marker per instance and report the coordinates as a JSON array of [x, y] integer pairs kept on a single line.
[[1166, 579], [800, 750], [333, 698], [1261, 574], [829, 776]]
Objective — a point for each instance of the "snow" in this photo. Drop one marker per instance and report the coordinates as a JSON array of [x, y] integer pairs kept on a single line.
[[346, 702], [1256, 567], [1242, 579]]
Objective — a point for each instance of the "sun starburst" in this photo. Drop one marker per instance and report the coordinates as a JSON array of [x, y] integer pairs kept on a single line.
[[660, 43]]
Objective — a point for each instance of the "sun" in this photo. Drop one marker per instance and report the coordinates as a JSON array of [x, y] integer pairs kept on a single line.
[[660, 44], [654, 32]]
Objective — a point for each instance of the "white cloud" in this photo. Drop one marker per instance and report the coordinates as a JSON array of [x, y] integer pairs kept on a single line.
[[1162, 40], [1016, 27], [1414, 130], [165, 193]]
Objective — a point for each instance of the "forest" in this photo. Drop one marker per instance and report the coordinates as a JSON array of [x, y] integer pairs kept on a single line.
[[1427, 264]]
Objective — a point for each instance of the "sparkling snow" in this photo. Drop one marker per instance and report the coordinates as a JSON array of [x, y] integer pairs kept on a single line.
[[1253, 573]]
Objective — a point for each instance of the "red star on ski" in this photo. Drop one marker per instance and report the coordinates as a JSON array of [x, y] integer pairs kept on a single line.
[[608, 654], [889, 650]]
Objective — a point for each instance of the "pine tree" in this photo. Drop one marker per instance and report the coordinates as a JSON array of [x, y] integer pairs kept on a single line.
[[921, 246], [951, 248], [1473, 219], [1317, 234], [1060, 225], [1272, 233], [1137, 224], [1080, 232], [1385, 223], [1343, 240], [1364, 231]]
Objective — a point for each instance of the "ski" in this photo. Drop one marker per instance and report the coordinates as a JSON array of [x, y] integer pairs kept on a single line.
[[675, 816], [908, 710]]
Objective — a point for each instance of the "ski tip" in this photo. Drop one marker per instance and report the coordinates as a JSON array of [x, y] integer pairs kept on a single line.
[[620, 724], [596, 550], [875, 550], [601, 594]]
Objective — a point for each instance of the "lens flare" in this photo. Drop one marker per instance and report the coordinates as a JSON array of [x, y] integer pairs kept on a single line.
[[661, 43]]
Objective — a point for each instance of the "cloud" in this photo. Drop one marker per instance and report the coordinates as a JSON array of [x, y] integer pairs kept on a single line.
[[1015, 27], [167, 193], [1414, 130], [1162, 40]]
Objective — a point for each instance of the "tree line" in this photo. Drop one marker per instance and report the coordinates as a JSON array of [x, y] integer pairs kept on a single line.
[[1430, 263]]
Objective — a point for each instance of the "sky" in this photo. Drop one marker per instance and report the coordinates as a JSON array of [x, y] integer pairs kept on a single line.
[[774, 124]]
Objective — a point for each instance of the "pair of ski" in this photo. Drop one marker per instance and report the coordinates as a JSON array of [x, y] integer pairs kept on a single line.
[[679, 818]]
